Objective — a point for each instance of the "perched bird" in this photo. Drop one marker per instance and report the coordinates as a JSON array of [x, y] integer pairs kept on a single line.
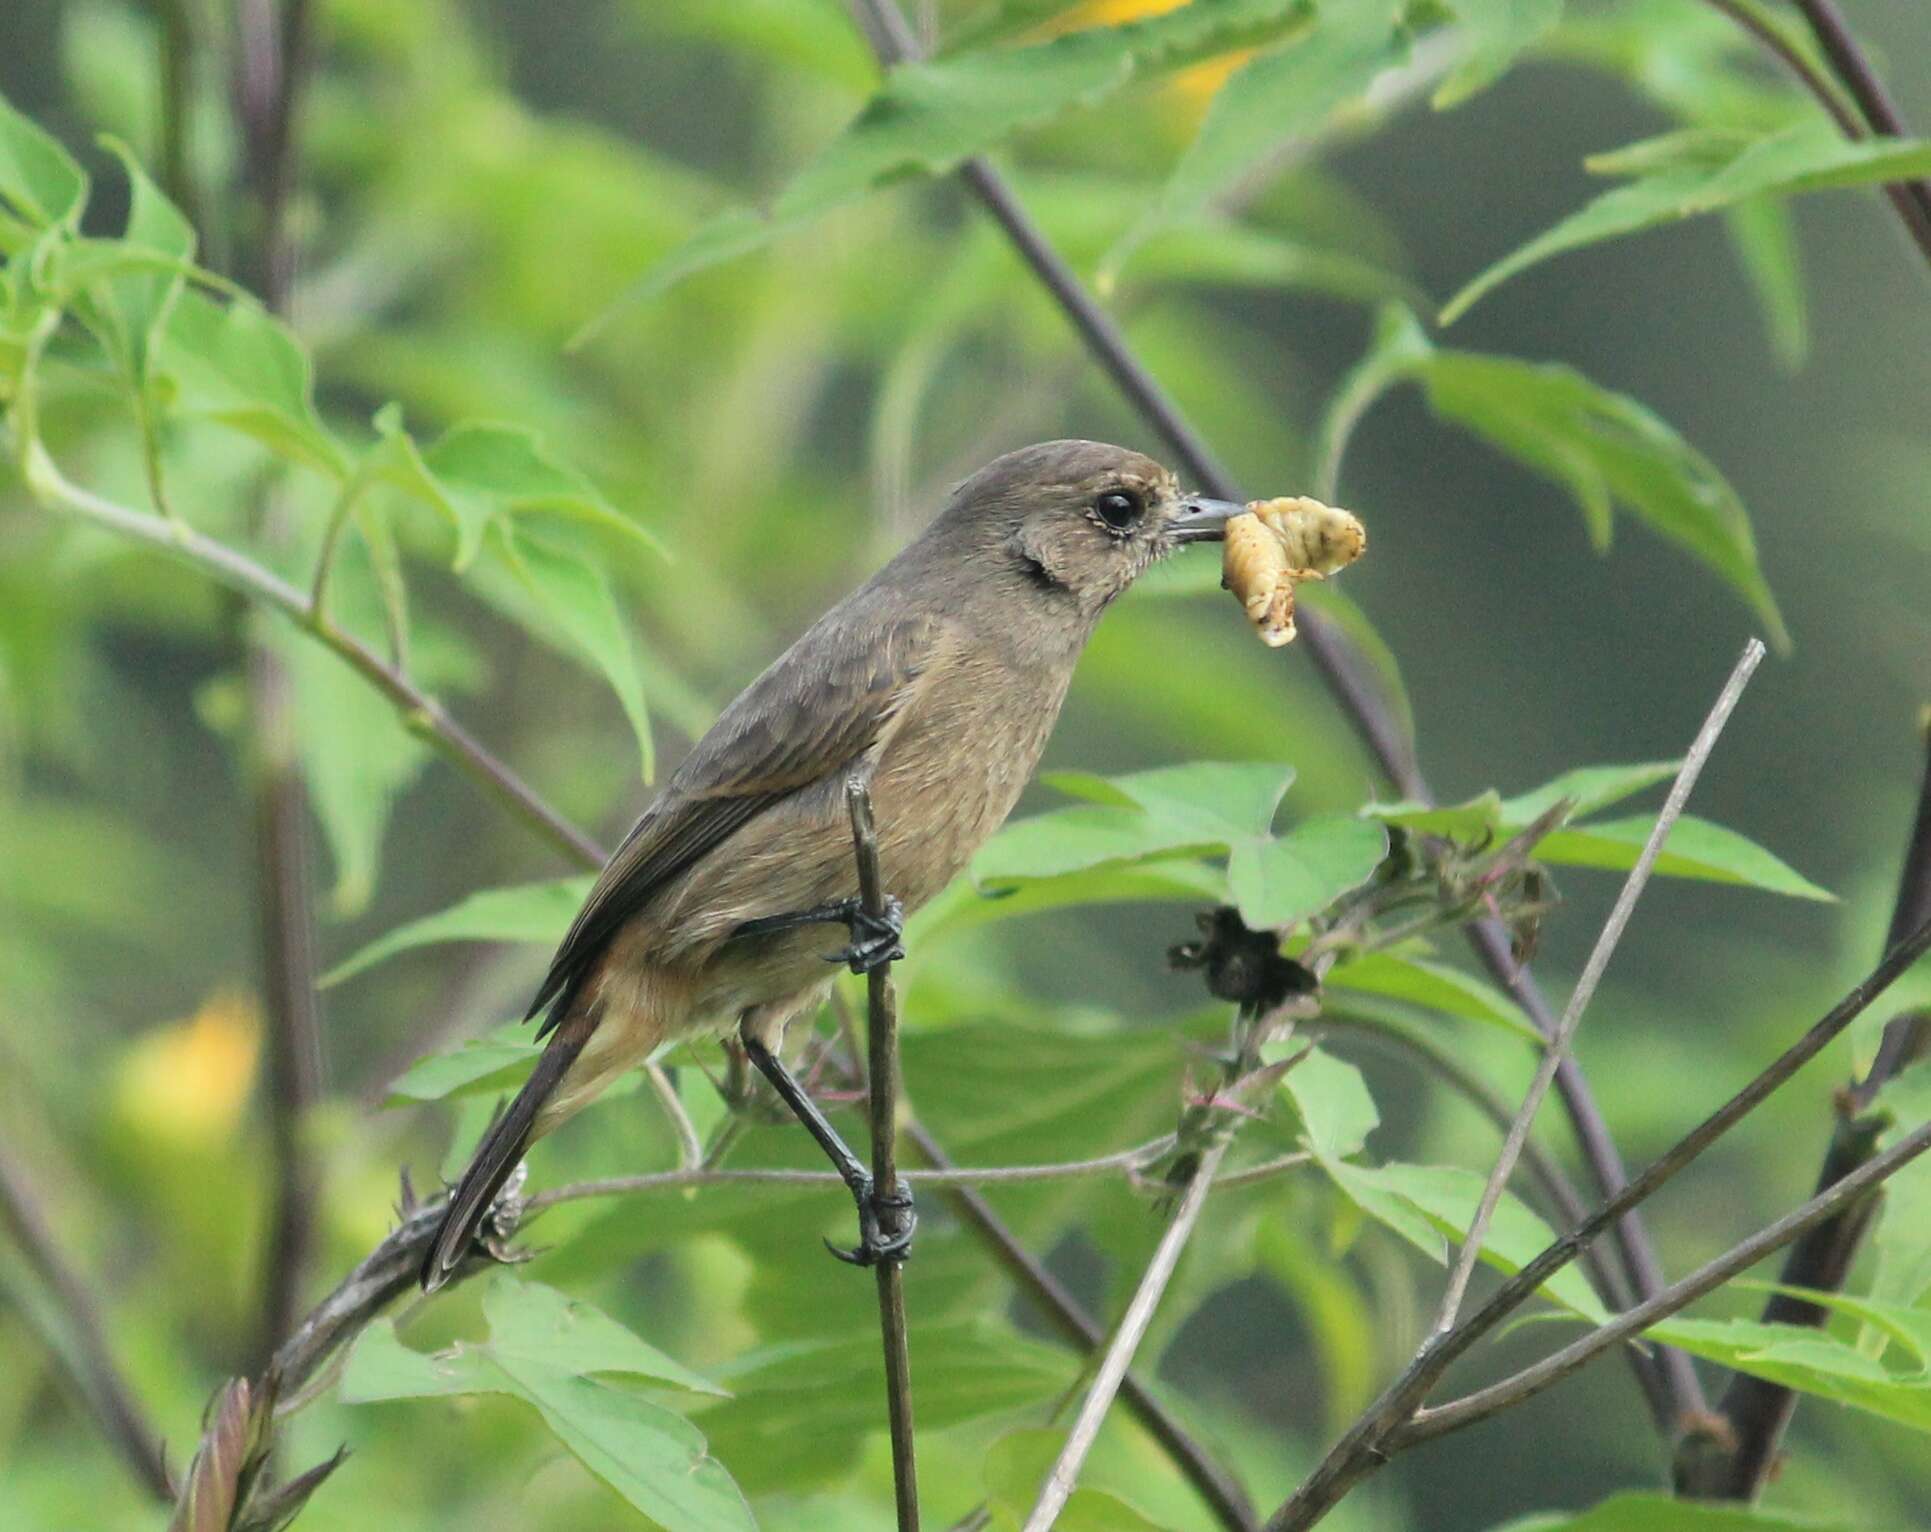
[[936, 682]]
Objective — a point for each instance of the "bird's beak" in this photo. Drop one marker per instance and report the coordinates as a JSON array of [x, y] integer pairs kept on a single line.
[[1201, 520]]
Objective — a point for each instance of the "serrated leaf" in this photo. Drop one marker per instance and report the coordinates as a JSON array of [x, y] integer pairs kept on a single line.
[[578, 608], [524, 912], [549, 1351], [1696, 848], [1280, 95], [39, 179], [1809, 158], [237, 364], [927, 117]]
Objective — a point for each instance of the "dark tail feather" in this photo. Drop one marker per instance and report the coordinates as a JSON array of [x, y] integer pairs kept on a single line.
[[498, 1155]]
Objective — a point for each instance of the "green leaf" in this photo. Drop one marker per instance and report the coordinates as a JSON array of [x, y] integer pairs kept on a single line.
[[1278, 96], [1278, 881], [1590, 788], [236, 364], [1428, 1204], [1337, 1114], [480, 473], [548, 1351], [357, 757], [1017, 1465], [1809, 158], [1434, 986], [961, 907], [1695, 849], [480, 1066], [1606, 449], [1902, 1237], [1499, 32], [1815, 1362], [136, 301], [1765, 241], [1638, 1512], [524, 912], [1201, 808], [39, 179], [576, 608], [927, 117]]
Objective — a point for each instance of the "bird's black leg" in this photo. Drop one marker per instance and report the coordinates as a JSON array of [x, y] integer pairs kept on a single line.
[[875, 938], [885, 1224]]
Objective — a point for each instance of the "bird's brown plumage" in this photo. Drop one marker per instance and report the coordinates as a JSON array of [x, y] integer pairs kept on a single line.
[[938, 680]]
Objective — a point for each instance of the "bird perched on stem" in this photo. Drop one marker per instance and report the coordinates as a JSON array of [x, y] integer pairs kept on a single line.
[[936, 683]]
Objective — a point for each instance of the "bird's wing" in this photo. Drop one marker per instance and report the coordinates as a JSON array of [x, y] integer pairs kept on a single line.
[[820, 706]]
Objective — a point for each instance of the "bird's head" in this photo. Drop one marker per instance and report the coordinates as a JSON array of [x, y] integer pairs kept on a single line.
[[1080, 520]]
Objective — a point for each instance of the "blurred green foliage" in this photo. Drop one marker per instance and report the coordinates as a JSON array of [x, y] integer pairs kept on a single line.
[[584, 549]]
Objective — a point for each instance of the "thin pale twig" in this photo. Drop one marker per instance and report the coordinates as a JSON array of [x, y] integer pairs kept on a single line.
[[1592, 972], [1058, 1487]]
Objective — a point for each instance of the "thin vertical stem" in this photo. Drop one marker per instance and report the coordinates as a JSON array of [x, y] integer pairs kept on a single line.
[[882, 1094]]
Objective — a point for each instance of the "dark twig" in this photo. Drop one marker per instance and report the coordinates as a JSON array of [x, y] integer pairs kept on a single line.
[[1366, 1445], [1466, 1411], [96, 1378], [1860, 79], [1214, 1483], [271, 50], [1757, 1411], [1341, 666], [882, 1094]]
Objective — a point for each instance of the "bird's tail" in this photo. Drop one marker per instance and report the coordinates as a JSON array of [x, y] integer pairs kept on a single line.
[[501, 1151]]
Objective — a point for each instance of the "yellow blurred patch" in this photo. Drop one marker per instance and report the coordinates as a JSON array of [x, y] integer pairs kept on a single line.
[[187, 1083], [1195, 86]]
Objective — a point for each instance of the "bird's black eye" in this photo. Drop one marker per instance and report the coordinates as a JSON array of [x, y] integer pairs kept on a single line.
[[1117, 509]]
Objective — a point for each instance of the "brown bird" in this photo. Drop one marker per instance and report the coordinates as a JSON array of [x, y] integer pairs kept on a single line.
[[936, 682]]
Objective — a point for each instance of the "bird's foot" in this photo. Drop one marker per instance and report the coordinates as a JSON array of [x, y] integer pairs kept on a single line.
[[885, 1226], [876, 939]]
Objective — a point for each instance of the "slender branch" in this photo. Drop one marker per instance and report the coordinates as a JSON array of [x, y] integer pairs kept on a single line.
[[882, 1088], [99, 1382], [234, 570], [1340, 664], [1592, 972], [1471, 1408], [1364, 1446], [1118, 1357], [272, 48], [1758, 1410], [1213, 1482], [1833, 35]]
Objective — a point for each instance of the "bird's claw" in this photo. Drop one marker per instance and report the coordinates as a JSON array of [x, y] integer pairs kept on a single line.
[[876, 939], [885, 1227]]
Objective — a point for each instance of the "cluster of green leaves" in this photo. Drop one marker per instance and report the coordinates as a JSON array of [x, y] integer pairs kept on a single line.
[[1177, 158], [183, 346]]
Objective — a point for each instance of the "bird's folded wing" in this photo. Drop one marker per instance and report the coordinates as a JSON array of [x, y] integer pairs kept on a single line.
[[819, 707]]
